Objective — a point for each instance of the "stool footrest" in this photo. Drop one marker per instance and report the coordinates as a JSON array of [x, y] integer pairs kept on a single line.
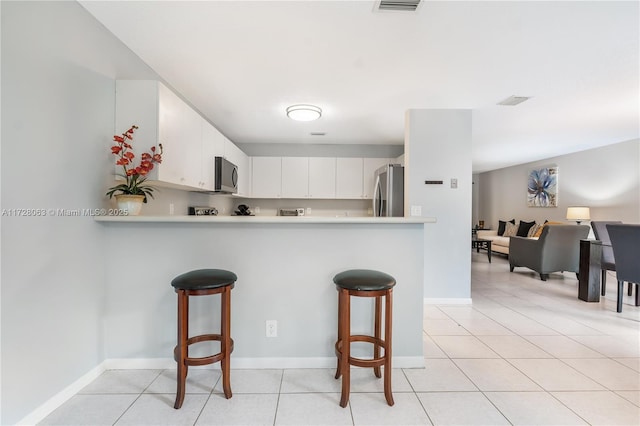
[[360, 362], [195, 361]]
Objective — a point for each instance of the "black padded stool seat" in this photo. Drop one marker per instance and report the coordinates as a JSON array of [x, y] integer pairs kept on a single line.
[[364, 279], [364, 283], [202, 279], [203, 282]]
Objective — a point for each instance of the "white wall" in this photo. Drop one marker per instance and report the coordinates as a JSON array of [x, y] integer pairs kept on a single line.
[[606, 179], [58, 71], [438, 147]]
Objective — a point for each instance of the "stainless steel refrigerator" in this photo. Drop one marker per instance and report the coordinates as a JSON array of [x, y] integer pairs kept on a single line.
[[388, 193]]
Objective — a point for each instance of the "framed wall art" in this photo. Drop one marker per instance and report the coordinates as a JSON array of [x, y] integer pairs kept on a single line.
[[542, 188]]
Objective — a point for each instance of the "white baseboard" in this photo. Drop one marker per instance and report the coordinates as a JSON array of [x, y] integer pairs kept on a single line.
[[447, 301], [37, 415], [63, 396]]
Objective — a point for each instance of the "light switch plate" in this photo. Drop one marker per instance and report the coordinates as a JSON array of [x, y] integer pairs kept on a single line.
[[454, 183]]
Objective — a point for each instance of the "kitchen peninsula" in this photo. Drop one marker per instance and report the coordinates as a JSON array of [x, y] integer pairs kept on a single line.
[[285, 267]]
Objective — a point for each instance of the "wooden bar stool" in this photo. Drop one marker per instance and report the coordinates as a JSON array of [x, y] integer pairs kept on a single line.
[[364, 283], [203, 282]]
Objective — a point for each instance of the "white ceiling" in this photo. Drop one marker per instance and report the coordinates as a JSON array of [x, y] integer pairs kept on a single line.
[[241, 63]]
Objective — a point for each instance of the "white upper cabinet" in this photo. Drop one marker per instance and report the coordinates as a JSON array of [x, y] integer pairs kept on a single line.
[[322, 177], [295, 177], [370, 165], [235, 155], [189, 142], [162, 118], [266, 177], [349, 178]]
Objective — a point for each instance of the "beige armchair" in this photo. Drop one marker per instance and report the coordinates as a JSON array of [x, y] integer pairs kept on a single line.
[[557, 249]]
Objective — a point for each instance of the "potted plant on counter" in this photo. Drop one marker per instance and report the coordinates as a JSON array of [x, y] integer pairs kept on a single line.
[[134, 191]]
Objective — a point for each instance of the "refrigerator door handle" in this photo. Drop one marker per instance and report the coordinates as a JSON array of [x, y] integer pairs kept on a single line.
[[377, 198]]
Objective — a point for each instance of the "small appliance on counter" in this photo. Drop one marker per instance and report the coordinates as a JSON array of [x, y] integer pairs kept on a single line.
[[203, 211], [243, 210], [292, 212]]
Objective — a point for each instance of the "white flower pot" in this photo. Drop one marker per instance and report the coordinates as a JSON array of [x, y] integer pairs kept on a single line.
[[132, 204]]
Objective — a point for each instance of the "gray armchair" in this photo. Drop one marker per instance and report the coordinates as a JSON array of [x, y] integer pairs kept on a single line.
[[557, 249]]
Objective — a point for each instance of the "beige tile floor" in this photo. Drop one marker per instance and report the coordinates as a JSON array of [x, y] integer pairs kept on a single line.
[[527, 352]]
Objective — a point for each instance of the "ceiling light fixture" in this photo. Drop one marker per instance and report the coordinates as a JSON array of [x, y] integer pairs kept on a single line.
[[302, 112]]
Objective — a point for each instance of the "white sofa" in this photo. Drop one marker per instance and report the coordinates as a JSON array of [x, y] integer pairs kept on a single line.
[[499, 243]]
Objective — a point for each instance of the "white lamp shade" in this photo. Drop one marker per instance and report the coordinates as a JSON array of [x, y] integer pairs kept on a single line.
[[578, 213], [303, 112]]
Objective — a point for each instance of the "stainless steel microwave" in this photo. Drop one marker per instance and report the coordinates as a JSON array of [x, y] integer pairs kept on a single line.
[[225, 176]]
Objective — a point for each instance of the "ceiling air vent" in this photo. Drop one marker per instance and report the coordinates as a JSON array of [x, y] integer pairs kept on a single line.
[[397, 5], [513, 100]]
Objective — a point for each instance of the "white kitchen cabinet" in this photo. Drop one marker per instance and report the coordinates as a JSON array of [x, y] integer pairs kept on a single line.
[[235, 155], [295, 177], [191, 147], [370, 165], [266, 177], [349, 178], [162, 118], [322, 177]]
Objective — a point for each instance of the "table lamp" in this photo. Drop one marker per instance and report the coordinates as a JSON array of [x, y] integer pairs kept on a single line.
[[578, 214]]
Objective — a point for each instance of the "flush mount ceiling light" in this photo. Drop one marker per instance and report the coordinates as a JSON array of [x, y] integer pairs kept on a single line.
[[303, 112]]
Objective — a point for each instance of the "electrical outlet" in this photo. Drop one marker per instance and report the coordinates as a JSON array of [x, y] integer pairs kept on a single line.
[[272, 328], [257, 210], [454, 183], [416, 210], [308, 212], [171, 209]]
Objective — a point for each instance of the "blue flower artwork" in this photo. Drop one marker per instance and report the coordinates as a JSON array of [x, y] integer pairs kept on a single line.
[[542, 189]]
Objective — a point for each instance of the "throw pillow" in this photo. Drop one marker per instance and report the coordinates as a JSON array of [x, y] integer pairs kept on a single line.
[[538, 232], [523, 228], [511, 230], [502, 226], [534, 230]]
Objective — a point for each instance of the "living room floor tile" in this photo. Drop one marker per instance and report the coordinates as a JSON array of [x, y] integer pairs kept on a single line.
[[601, 408], [438, 375], [513, 347], [608, 373], [464, 347], [443, 327], [461, 408], [483, 327], [563, 347], [523, 408], [495, 375], [554, 375]]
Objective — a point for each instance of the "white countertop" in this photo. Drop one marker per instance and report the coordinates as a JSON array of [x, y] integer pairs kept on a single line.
[[267, 219]]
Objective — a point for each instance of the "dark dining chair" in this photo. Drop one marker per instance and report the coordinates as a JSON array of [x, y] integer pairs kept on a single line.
[[607, 260], [625, 240]]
